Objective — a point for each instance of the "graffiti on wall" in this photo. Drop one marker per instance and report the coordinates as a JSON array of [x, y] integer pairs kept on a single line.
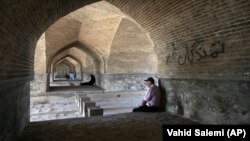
[[194, 52]]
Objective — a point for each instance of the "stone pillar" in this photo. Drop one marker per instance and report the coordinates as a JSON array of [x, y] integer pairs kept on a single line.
[[85, 106], [79, 95], [81, 103], [39, 85], [48, 81]]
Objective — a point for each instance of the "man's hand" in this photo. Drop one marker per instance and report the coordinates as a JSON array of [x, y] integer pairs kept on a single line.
[[143, 103]]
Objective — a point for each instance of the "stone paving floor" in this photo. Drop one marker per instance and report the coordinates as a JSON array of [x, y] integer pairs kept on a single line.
[[120, 127], [59, 102], [65, 107], [53, 111]]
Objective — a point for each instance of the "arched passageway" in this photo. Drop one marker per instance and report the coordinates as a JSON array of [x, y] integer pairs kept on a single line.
[[202, 50], [105, 56], [76, 63]]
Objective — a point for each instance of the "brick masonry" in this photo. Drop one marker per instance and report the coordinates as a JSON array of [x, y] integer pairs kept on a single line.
[[208, 101], [39, 85], [203, 25], [124, 82], [190, 35], [14, 109], [201, 40]]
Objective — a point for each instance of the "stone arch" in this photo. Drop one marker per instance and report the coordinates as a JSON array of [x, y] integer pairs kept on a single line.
[[66, 62], [132, 47], [169, 22], [70, 67], [63, 58], [99, 62]]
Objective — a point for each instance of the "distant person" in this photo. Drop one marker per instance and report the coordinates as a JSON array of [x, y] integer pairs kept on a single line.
[[152, 99], [91, 82], [71, 76], [67, 76]]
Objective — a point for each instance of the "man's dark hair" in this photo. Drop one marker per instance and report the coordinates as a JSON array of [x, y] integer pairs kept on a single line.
[[151, 79]]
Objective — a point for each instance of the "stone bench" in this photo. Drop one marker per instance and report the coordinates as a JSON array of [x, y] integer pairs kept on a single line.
[[84, 99], [85, 106], [95, 111], [78, 96], [82, 102]]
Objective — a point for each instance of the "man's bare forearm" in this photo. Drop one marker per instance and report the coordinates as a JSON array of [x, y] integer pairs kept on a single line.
[[143, 103]]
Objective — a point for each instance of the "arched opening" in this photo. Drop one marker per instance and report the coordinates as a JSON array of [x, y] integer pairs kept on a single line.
[[62, 70], [78, 66], [202, 61], [111, 46], [89, 56]]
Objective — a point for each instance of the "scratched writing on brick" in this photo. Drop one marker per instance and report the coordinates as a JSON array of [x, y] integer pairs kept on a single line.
[[188, 54]]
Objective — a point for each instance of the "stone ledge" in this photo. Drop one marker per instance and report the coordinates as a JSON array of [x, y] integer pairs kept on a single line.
[[122, 127]]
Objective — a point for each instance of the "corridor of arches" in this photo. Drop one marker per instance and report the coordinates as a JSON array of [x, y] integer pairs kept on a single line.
[[197, 51]]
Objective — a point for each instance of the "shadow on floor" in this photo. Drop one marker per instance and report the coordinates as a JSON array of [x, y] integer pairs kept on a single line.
[[122, 127], [74, 88]]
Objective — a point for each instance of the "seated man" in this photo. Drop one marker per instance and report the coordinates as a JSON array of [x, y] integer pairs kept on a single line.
[[67, 76], [152, 99], [91, 82]]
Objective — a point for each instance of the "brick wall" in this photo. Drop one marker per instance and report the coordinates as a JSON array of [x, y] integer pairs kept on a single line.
[[22, 23], [21, 27], [179, 23], [194, 39], [62, 33], [14, 108], [203, 52], [38, 86], [77, 50], [208, 101], [131, 51], [124, 82]]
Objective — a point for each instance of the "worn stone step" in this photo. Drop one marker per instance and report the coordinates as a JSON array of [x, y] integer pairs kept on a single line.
[[94, 111], [85, 106]]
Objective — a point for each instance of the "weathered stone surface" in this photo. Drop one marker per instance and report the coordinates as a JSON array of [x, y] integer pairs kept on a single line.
[[208, 101], [85, 106], [85, 63], [62, 105], [98, 24], [131, 51], [79, 95], [40, 61], [118, 102], [101, 39], [69, 63], [82, 104], [53, 111], [39, 85], [125, 82], [14, 110], [122, 127], [94, 111], [196, 40], [60, 34]]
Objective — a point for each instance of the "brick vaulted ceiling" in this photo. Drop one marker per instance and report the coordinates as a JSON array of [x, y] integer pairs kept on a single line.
[[102, 28], [168, 22]]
